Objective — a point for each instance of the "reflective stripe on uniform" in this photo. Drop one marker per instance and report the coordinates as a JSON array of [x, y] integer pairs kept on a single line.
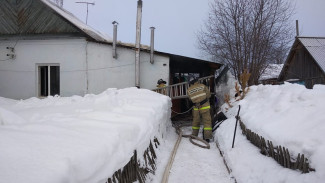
[[195, 90], [207, 128], [202, 108], [195, 128], [196, 96]]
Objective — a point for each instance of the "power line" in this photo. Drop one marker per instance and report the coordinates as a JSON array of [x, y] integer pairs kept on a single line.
[[81, 70], [12, 49]]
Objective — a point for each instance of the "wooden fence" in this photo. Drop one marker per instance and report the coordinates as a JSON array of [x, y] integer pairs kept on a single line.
[[134, 171], [278, 153]]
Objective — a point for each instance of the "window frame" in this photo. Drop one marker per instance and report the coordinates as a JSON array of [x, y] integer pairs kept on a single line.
[[49, 84]]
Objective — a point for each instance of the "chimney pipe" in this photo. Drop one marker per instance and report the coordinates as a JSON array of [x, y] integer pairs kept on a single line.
[[137, 44], [297, 28], [114, 38], [152, 44]]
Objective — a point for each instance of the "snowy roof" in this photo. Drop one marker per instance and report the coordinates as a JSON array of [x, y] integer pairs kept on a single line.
[[272, 71], [98, 36], [316, 48]]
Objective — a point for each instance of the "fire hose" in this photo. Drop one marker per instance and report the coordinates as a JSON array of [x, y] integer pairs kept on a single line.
[[172, 157]]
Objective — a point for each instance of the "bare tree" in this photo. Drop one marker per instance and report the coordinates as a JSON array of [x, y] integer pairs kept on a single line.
[[247, 34], [59, 2]]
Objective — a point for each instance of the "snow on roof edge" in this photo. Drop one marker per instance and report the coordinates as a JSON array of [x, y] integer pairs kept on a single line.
[[98, 36], [272, 71]]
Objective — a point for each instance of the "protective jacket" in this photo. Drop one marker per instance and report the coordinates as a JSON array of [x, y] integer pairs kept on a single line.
[[161, 85], [199, 94], [163, 90]]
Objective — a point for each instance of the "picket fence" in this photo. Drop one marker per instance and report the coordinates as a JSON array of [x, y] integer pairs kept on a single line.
[[278, 153], [134, 170]]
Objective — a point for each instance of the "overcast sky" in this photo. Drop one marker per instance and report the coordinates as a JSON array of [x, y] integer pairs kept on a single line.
[[176, 21]]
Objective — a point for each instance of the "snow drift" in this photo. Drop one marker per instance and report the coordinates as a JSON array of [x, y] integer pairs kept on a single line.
[[77, 139], [289, 115]]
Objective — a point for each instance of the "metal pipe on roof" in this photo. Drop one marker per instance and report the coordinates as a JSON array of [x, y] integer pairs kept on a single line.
[[152, 45], [114, 38], [137, 44], [297, 28]]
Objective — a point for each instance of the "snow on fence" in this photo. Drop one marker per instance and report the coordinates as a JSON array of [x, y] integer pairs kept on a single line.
[[133, 170], [278, 153]]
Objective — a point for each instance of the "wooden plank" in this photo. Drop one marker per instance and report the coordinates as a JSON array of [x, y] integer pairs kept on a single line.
[[281, 156], [288, 158], [302, 161], [284, 157], [272, 150]]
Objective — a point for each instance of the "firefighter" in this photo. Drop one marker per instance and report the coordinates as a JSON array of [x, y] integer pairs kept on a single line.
[[199, 94], [161, 84]]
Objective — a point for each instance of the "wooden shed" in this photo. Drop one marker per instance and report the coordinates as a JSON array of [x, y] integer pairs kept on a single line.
[[305, 63]]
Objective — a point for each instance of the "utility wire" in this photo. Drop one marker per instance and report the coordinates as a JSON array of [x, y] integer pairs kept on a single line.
[[5, 60], [14, 47], [112, 67]]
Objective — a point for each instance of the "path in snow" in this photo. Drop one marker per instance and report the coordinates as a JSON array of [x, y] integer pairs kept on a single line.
[[195, 164]]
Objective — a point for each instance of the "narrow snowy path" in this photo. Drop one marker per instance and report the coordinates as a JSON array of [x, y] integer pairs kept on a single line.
[[194, 164]]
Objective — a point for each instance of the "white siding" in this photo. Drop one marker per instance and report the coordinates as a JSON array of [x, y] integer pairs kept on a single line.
[[18, 77], [85, 67], [107, 72]]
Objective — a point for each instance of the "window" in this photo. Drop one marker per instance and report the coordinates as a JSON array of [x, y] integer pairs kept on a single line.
[[48, 80]]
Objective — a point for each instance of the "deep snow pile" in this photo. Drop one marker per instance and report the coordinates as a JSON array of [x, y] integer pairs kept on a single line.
[[289, 115], [77, 139]]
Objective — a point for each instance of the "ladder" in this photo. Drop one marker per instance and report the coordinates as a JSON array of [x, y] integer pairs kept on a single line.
[[179, 90]]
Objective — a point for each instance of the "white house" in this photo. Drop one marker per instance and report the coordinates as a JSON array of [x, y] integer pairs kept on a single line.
[[45, 50]]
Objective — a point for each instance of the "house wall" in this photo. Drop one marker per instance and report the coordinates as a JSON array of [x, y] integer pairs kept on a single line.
[[107, 72], [19, 77], [85, 67]]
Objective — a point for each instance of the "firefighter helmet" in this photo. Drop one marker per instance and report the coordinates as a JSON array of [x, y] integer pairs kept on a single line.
[[160, 81]]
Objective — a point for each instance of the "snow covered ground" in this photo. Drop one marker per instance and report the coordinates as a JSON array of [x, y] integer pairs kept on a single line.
[[192, 163], [77, 139], [85, 139], [290, 115]]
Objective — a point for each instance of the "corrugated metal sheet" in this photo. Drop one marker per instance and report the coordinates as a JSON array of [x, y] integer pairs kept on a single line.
[[41, 17], [31, 17], [316, 47], [98, 36]]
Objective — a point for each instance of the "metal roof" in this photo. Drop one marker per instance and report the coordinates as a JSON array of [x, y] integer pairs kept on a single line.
[[98, 36], [316, 47], [32, 17], [45, 17]]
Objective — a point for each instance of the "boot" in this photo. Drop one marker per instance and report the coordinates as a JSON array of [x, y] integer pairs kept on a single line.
[[195, 132]]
